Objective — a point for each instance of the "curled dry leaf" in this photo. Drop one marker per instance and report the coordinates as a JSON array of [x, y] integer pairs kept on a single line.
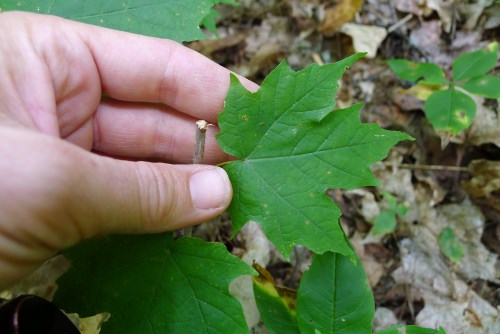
[[340, 14], [468, 12], [486, 126], [369, 207], [471, 12], [277, 304], [210, 46], [374, 269], [273, 30], [492, 16], [446, 11], [416, 7], [257, 249], [365, 38], [485, 183], [89, 325], [395, 180], [42, 282], [265, 56]]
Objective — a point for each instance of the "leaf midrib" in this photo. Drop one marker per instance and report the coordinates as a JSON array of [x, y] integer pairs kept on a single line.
[[125, 10], [288, 203], [288, 110], [305, 154]]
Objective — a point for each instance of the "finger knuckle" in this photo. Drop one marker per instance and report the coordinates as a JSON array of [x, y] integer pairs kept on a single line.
[[157, 199]]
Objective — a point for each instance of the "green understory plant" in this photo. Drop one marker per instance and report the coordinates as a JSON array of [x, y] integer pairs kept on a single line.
[[386, 221], [398, 329], [291, 145], [448, 107], [450, 245]]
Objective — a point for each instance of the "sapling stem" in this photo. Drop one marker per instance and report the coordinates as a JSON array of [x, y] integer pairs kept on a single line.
[[199, 146], [199, 151]]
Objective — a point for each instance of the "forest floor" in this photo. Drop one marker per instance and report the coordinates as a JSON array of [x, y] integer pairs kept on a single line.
[[443, 182]]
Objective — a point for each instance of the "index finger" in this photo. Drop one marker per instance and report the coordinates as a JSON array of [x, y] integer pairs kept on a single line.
[[145, 69]]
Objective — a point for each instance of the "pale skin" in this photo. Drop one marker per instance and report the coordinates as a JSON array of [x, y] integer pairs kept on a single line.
[[74, 164]]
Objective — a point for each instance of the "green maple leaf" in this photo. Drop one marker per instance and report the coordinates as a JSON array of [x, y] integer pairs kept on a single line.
[[291, 148], [335, 296], [174, 19], [153, 284]]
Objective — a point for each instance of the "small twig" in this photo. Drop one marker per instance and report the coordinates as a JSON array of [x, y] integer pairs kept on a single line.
[[317, 59], [199, 146], [199, 151], [400, 23], [429, 167]]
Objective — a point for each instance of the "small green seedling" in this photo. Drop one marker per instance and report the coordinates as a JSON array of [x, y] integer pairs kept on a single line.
[[450, 245], [402, 329], [387, 220], [449, 108]]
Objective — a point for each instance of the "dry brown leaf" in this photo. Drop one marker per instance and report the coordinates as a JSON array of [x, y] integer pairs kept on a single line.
[[42, 282], [365, 38], [471, 12], [369, 208], [407, 99], [209, 46], [266, 55], [374, 270], [416, 7], [395, 180], [89, 325], [337, 16], [305, 8], [427, 37], [446, 11], [289, 296], [485, 183], [242, 289], [257, 248], [492, 17], [486, 126], [272, 30]]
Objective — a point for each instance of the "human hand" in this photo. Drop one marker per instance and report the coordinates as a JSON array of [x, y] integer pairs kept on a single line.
[[70, 155]]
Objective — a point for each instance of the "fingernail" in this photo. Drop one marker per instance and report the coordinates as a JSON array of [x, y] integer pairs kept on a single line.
[[210, 188]]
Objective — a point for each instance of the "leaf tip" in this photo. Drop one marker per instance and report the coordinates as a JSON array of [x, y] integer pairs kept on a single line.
[[493, 47]]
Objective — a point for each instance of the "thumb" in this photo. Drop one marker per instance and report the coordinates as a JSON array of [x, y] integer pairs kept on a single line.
[[135, 197], [55, 194]]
